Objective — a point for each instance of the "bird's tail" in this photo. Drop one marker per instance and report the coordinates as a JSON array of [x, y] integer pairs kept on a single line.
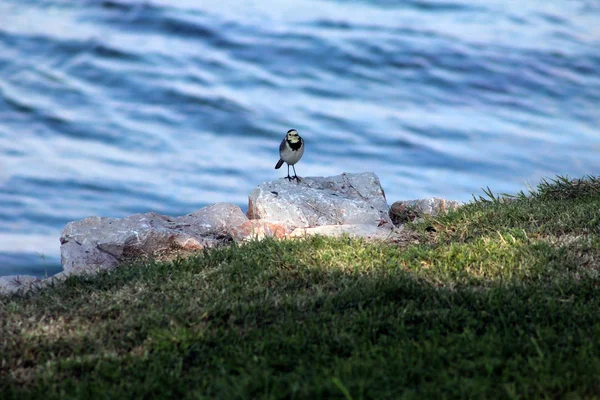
[[279, 164]]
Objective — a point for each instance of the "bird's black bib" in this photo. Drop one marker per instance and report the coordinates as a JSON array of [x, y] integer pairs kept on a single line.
[[295, 146]]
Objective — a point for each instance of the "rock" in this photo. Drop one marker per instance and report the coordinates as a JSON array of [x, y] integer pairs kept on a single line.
[[99, 243], [257, 229], [14, 283], [367, 231], [409, 210], [219, 218], [336, 200]]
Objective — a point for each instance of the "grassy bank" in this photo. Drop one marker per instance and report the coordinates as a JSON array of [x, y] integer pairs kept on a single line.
[[500, 299]]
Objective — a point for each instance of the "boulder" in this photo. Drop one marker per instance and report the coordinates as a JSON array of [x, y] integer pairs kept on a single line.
[[16, 283], [312, 202], [409, 210], [100, 243]]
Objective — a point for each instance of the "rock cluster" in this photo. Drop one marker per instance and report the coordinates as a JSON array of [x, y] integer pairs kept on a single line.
[[352, 204]]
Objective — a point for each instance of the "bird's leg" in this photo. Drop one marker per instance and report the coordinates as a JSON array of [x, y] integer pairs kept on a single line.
[[289, 178], [295, 175]]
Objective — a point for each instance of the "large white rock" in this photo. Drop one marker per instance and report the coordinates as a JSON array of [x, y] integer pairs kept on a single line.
[[335, 200]]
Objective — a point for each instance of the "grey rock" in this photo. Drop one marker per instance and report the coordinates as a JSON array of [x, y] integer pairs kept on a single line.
[[15, 283], [99, 243], [219, 217], [409, 210], [336, 200]]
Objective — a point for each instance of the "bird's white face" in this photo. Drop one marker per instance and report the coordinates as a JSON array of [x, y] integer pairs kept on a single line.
[[292, 136]]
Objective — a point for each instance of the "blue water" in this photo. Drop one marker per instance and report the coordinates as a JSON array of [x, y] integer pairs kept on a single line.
[[118, 107]]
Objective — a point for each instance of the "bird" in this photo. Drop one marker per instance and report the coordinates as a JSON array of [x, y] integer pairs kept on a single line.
[[291, 150]]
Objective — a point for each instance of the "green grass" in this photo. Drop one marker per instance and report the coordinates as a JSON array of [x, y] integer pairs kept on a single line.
[[501, 301]]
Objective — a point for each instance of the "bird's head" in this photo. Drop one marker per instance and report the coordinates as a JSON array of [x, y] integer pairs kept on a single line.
[[292, 136]]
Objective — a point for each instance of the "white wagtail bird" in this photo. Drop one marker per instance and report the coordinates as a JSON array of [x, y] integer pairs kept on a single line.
[[290, 151]]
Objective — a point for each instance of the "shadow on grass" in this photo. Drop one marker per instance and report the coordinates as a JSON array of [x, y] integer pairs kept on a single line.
[[499, 316]]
